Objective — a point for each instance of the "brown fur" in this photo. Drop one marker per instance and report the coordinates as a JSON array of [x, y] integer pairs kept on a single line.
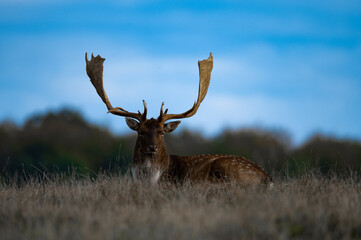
[[151, 158], [213, 168]]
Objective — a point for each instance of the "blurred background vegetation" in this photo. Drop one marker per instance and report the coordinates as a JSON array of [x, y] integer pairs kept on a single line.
[[64, 141]]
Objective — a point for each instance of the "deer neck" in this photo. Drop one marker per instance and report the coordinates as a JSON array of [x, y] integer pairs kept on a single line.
[[158, 163]]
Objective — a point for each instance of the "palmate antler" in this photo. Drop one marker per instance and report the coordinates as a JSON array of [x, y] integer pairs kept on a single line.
[[205, 69], [94, 69]]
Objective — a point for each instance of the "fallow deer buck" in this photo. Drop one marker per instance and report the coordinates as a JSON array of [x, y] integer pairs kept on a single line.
[[151, 158]]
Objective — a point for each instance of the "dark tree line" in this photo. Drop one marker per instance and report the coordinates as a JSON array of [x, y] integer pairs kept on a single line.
[[64, 141]]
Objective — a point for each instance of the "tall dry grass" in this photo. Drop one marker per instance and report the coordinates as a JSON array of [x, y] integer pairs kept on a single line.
[[112, 207]]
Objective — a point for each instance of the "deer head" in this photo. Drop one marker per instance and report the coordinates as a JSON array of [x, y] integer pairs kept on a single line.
[[150, 153]]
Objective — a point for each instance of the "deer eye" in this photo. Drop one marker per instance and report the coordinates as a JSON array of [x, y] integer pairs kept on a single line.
[[141, 133], [160, 133]]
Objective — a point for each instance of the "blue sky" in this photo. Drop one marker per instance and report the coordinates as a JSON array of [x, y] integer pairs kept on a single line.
[[293, 65]]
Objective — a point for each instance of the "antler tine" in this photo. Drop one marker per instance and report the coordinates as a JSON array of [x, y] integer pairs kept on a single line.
[[144, 116], [94, 69], [161, 108], [161, 114], [205, 69]]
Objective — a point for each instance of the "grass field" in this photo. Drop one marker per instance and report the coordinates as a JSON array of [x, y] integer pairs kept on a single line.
[[111, 207]]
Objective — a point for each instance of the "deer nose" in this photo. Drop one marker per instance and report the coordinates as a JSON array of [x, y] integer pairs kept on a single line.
[[152, 148]]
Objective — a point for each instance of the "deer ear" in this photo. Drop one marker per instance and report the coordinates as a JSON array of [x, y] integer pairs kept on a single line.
[[132, 124], [171, 126]]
